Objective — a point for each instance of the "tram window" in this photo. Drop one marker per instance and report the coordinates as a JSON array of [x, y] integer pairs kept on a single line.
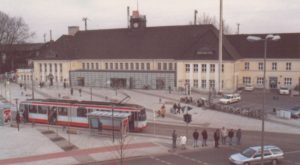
[[142, 115], [42, 109], [90, 110], [81, 112], [62, 111], [32, 109]]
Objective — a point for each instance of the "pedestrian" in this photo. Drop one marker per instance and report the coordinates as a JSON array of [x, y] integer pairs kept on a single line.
[[18, 120], [163, 110], [217, 138], [175, 108], [178, 108], [195, 136], [183, 142], [79, 90], [204, 137], [159, 100], [230, 135], [174, 139], [224, 134], [169, 87], [238, 136], [71, 91], [65, 85]]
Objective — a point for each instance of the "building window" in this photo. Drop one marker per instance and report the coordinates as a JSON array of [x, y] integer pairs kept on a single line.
[[45, 67], [159, 66], [203, 84], [287, 81], [116, 66], [170, 66], [196, 83], [111, 65], [260, 66], [203, 67], [131, 66], [41, 68], [246, 80], [212, 68], [247, 65], [165, 66], [92, 66], [83, 65], [222, 69], [274, 66], [212, 84], [121, 66], [106, 65], [148, 66], [55, 68], [137, 66], [87, 66], [187, 67], [142, 66], [60, 68], [260, 81], [195, 67], [187, 81], [288, 66], [97, 66], [50, 68], [126, 66]]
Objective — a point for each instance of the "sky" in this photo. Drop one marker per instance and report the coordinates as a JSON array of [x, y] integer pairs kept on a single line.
[[254, 16]]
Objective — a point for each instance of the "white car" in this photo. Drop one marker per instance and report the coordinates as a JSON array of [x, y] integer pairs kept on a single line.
[[252, 155], [230, 98], [248, 88], [284, 91]]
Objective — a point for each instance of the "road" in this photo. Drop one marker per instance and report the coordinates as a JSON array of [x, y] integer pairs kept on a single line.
[[290, 143]]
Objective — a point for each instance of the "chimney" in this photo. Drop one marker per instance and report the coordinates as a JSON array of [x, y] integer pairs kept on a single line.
[[72, 30]]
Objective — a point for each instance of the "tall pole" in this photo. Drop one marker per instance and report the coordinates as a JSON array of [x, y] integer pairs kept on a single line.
[[84, 19], [220, 46], [91, 92], [238, 28], [195, 17], [128, 17], [32, 84], [113, 123], [264, 100]]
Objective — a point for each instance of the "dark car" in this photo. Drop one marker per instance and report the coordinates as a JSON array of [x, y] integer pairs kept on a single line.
[[295, 112]]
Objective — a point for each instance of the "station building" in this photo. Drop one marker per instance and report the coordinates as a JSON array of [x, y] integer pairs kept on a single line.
[[166, 57]]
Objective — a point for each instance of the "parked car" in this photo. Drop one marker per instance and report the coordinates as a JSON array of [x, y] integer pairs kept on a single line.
[[284, 91], [230, 98], [249, 87], [295, 112], [252, 155]]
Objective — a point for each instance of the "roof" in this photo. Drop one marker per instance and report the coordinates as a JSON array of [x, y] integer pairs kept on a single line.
[[287, 47], [189, 42]]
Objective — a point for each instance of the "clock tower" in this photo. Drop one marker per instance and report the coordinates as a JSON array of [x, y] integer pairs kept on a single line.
[[137, 21]]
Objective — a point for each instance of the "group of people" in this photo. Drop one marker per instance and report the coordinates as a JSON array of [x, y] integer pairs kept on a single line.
[[222, 134], [72, 91]]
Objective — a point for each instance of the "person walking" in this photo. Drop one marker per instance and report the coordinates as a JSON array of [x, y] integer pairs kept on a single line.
[[238, 136], [204, 137], [79, 90], [230, 135], [183, 142], [217, 138], [224, 134], [178, 108], [18, 120], [195, 136], [174, 139], [71, 91]]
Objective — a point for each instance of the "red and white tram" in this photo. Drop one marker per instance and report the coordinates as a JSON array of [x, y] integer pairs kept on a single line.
[[75, 113]]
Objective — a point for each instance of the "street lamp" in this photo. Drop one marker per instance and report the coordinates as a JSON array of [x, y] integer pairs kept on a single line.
[[269, 37]]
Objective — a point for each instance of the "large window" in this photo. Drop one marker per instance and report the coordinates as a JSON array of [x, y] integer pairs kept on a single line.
[[170, 66], [55, 68], [195, 67], [187, 67], [247, 65], [60, 68], [50, 68], [43, 109], [62, 111], [41, 68], [212, 68], [222, 67], [196, 83], [274, 66], [260, 81], [203, 68], [287, 81], [212, 83], [97, 66], [260, 66], [106, 65], [32, 108], [203, 84], [81, 112], [288, 66], [45, 67], [246, 80]]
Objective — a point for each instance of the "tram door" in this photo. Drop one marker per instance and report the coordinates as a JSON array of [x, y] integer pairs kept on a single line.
[[52, 115], [131, 121]]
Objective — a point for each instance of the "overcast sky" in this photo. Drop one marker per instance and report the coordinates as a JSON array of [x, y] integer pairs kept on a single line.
[[254, 16]]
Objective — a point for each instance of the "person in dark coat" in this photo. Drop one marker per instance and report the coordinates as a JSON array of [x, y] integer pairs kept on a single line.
[[79, 90], [204, 137], [71, 91], [217, 138], [178, 108], [196, 137], [174, 139], [230, 135], [238, 136]]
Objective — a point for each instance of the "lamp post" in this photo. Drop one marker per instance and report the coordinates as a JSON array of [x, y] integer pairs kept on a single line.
[[269, 37]]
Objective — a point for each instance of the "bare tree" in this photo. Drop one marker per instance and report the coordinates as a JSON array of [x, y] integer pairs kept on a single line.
[[207, 19], [13, 30]]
